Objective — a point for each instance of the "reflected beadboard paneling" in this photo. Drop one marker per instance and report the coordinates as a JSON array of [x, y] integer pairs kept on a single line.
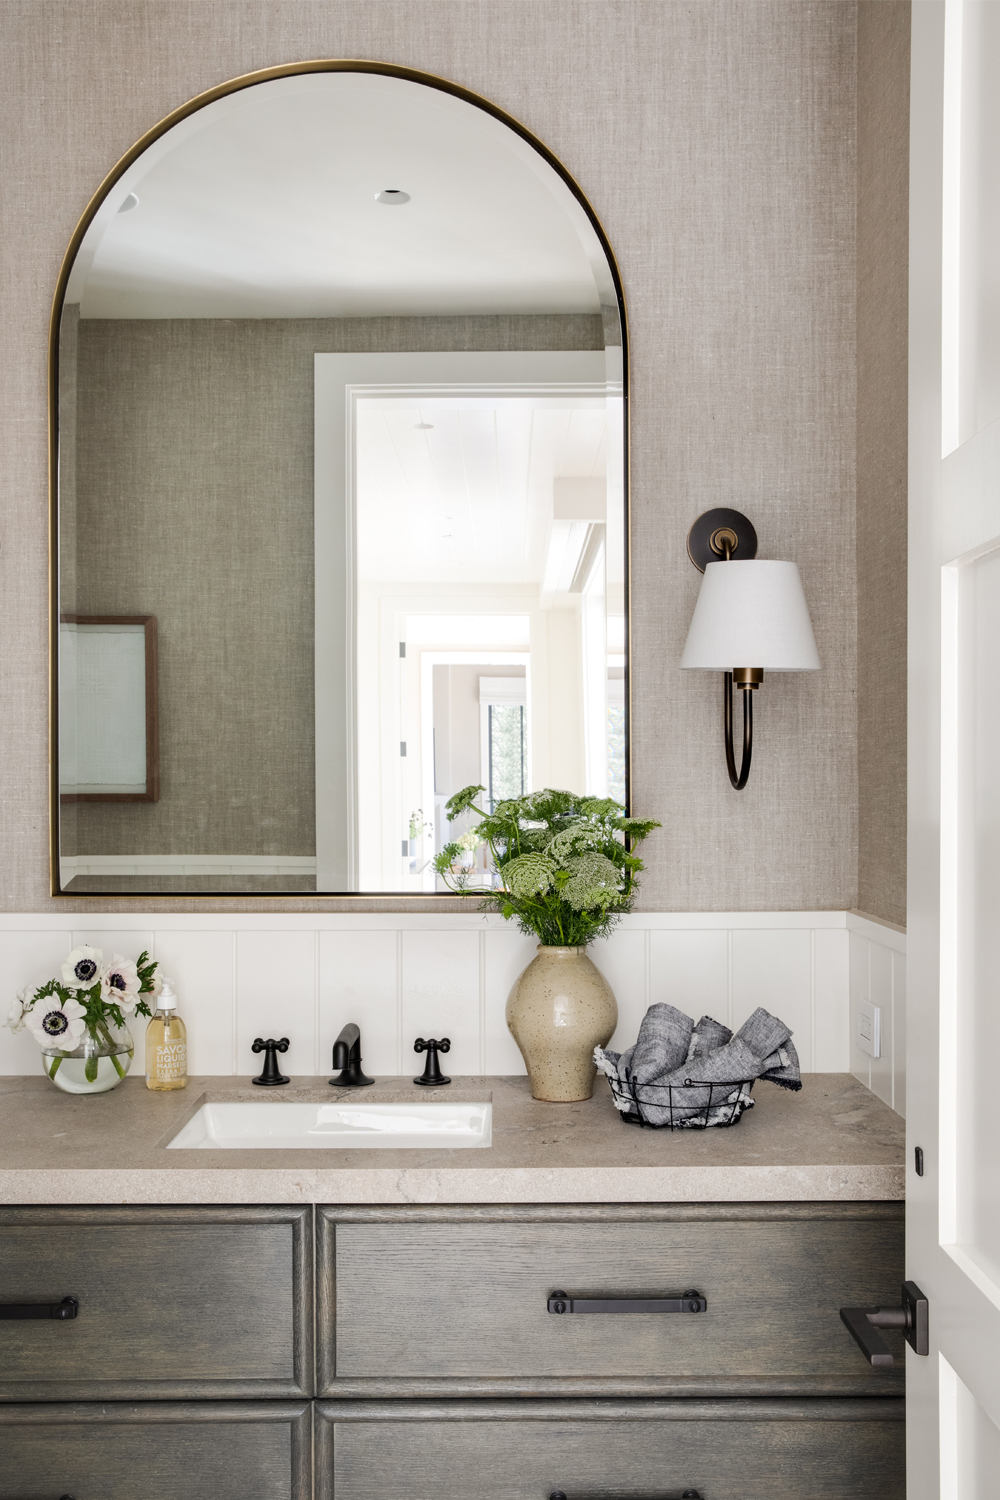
[[303, 975]]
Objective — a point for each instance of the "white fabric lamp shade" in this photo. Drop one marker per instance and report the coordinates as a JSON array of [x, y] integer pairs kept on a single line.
[[751, 614]]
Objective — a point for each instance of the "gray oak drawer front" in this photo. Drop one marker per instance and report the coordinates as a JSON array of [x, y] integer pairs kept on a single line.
[[159, 1451], [461, 1297], [737, 1450], [193, 1302]]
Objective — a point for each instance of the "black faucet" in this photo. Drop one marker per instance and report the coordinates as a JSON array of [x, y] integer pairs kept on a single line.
[[347, 1056], [269, 1075], [432, 1077]]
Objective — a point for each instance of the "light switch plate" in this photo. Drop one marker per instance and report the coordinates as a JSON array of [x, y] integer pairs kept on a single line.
[[870, 1028]]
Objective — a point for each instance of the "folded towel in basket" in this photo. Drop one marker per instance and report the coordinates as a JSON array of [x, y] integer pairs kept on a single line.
[[668, 1091]]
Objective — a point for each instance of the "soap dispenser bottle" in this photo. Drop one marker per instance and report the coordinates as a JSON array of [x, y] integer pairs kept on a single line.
[[166, 1044]]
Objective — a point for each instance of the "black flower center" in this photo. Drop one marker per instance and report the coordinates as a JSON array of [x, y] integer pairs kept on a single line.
[[55, 1023], [116, 981], [85, 970]]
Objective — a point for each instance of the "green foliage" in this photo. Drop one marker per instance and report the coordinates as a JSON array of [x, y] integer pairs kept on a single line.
[[567, 864]]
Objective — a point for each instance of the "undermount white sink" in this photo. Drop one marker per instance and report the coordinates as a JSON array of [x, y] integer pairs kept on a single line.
[[335, 1127]]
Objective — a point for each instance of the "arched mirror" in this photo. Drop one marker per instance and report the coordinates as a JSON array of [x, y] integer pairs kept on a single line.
[[339, 492]]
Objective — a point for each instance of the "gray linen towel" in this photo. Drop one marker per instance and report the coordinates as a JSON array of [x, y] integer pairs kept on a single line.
[[763, 1033], [729, 1064], [662, 1044], [707, 1035], [673, 1055], [782, 1067]]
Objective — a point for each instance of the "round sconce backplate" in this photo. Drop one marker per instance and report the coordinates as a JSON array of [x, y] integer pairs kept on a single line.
[[708, 537]]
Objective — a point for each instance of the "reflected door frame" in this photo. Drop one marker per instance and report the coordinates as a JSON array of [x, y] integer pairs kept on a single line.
[[341, 382]]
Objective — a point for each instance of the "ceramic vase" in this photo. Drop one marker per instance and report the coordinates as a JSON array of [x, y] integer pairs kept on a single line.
[[558, 1011], [99, 1063]]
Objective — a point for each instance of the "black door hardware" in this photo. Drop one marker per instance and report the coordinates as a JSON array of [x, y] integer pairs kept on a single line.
[[685, 1495], [918, 1160], [432, 1077], [269, 1075], [911, 1317], [690, 1302], [13, 1311], [347, 1057]]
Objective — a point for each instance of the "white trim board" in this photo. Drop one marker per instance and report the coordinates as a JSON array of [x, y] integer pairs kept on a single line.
[[187, 864]]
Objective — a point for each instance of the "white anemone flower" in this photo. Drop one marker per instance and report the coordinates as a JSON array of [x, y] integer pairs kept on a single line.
[[120, 983], [21, 1009], [57, 1023], [82, 968]]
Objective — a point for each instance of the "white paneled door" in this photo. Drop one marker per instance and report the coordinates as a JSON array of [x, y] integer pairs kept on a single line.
[[953, 1209]]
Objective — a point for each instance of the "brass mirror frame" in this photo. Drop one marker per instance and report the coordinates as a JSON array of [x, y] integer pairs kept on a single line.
[[388, 899]]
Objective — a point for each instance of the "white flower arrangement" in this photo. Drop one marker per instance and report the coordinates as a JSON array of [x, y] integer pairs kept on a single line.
[[90, 995]]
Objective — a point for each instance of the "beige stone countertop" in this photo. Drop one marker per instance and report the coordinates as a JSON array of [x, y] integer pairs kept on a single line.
[[834, 1140]]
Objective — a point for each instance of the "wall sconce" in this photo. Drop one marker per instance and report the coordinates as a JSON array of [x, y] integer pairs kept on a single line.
[[747, 611]]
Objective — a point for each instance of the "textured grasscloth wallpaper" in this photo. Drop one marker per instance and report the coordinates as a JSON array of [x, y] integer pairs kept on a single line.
[[717, 143], [883, 246]]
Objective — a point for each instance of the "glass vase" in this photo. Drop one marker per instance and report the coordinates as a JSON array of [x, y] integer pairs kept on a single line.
[[99, 1063]]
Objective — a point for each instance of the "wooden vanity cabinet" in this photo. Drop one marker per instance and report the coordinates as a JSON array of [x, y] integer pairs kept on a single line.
[[161, 1450], [202, 1303], [454, 1301], [438, 1372], [526, 1450]]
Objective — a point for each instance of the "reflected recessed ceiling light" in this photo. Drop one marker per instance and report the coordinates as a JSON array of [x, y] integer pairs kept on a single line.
[[129, 203], [392, 195]]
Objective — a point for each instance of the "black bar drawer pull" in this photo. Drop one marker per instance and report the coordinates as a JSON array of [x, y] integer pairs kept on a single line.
[[13, 1311], [690, 1302], [561, 1495]]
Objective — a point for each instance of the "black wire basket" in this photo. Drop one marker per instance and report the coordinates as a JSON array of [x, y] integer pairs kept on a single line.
[[682, 1106]]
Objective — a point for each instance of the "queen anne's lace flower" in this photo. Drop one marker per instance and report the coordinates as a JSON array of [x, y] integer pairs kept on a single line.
[[529, 875], [594, 880], [83, 967], [575, 839], [120, 983], [53, 1022]]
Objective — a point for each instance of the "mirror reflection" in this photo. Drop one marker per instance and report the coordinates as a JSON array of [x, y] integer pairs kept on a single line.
[[341, 430]]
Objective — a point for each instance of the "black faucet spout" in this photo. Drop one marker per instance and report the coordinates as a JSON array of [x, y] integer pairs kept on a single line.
[[347, 1057]]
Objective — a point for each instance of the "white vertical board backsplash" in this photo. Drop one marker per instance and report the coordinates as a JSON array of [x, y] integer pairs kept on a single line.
[[303, 975], [878, 975]]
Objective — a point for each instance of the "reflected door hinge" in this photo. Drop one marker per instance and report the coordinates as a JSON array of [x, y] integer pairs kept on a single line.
[[402, 747]]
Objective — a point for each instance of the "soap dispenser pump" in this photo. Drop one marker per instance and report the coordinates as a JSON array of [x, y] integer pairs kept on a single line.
[[166, 1044]]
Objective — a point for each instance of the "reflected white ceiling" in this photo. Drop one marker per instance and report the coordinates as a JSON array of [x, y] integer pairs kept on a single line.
[[263, 204], [459, 490]]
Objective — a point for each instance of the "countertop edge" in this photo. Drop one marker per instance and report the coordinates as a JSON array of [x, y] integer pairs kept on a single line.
[[723, 1184]]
